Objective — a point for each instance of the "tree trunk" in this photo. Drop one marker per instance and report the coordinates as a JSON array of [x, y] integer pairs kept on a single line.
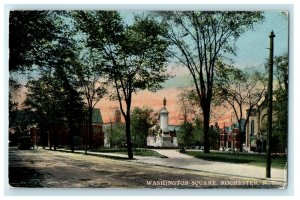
[[71, 135], [206, 113], [54, 138], [128, 135], [49, 139], [241, 135], [90, 126], [54, 141], [44, 138], [72, 140], [85, 132]]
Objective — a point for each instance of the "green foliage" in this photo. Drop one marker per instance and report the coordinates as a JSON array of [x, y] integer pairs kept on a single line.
[[23, 119], [214, 137], [53, 94], [44, 98], [279, 140], [192, 134], [185, 134], [88, 73], [141, 119], [198, 133], [280, 106], [134, 56], [28, 31], [117, 135]]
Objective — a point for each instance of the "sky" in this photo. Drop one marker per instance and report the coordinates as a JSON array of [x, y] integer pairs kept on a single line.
[[253, 45], [252, 51], [250, 4]]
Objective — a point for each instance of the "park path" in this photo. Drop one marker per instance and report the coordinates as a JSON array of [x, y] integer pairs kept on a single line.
[[183, 161], [177, 160]]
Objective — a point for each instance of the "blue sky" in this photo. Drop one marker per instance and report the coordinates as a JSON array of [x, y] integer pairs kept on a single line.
[[252, 46]]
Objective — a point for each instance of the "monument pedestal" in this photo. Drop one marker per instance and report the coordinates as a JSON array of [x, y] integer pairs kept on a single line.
[[150, 141], [175, 141], [167, 141], [162, 141], [162, 136]]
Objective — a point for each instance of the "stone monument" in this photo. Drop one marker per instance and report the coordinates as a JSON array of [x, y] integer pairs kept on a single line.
[[159, 135]]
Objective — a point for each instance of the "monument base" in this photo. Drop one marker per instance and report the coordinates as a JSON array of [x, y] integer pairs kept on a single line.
[[162, 141]]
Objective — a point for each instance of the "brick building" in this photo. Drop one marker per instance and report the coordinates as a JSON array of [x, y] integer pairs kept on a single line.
[[61, 133]]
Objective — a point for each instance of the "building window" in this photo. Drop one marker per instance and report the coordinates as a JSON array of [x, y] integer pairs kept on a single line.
[[252, 128]]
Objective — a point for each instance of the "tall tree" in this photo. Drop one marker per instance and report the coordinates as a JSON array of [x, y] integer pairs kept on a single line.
[[185, 134], [89, 73], [241, 90], [13, 105], [59, 58], [45, 100], [198, 135], [28, 31], [199, 39], [141, 121], [63, 58], [135, 56], [187, 105], [281, 102], [116, 136]]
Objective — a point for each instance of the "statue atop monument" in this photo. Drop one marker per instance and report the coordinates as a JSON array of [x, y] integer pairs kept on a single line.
[[165, 102]]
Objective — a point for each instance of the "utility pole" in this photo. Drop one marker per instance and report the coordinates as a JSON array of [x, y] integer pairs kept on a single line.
[[270, 96]]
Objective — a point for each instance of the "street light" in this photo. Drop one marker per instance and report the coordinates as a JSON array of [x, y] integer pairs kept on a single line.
[[270, 95]]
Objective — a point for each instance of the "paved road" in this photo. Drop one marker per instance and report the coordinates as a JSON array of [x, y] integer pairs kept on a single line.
[[45, 168]]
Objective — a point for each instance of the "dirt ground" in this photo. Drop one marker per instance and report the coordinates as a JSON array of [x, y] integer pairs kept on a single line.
[[51, 169]]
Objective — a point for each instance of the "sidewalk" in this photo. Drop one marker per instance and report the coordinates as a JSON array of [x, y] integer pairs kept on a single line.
[[183, 161]]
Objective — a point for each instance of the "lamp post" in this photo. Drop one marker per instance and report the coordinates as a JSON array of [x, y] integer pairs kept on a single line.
[[270, 95]]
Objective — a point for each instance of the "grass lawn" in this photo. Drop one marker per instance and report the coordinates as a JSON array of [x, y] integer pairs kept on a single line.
[[246, 158], [136, 151]]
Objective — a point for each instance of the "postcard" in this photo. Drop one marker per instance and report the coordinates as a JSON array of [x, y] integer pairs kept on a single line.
[[152, 99]]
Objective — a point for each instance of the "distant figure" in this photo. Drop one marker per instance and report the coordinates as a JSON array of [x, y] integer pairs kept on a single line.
[[165, 102]]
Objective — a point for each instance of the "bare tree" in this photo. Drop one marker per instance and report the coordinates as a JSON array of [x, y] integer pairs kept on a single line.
[[188, 106], [241, 90], [199, 40]]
